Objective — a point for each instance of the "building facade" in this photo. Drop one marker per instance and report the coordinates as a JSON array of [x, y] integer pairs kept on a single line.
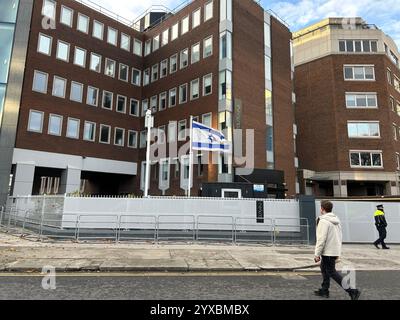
[[73, 120], [347, 109]]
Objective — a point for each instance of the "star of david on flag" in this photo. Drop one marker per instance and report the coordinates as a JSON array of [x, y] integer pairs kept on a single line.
[[208, 139]]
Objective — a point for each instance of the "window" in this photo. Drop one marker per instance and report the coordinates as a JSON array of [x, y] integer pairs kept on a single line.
[[182, 130], [208, 47], [132, 139], [62, 51], [206, 119], [392, 104], [164, 171], [83, 23], [396, 83], [112, 36], [358, 46], [109, 69], [44, 44], [163, 101], [76, 93], [153, 104], [67, 15], [73, 128], [175, 31], [361, 100], [119, 137], [143, 139], [363, 129], [225, 80], [195, 53], [161, 135], [123, 72], [146, 77], [185, 25], [59, 86], [183, 93], [395, 131], [172, 132], [134, 108], [136, 77], [105, 134], [137, 47], [147, 47], [121, 104], [173, 64], [156, 43], [194, 89], [398, 160], [208, 11], [95, 62], [184, 60], [359, 73], [98, 30], [49, 9], [154, 73], [196, 18], [165, 38], [164, 68], [389, 76], [92, 96], [226, 45], [80, 57], [125, 42], [145, 106], [89, 133], [172, 98], [35, 123], [40, 82], [366, 159], [207, 85], [55, 125], [107, 102]]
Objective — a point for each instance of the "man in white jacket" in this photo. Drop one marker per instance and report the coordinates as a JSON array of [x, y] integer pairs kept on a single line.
[[329, 249]]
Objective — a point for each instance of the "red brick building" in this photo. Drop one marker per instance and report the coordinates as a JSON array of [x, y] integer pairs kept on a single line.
[[79, 89], [347, 109]]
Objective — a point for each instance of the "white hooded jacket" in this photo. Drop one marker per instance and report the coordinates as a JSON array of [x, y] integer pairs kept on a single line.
[[329, 236]]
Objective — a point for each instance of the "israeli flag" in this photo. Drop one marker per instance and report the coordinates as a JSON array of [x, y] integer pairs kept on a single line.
[[208, 139]]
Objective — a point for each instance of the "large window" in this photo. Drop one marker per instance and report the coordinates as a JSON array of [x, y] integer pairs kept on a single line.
[[119, 137], [63, 51], [208, 47], [67, 16], [125, 42], [361, 100], [196, 18], [107, 102], [112, 36], [89, 133], [208, 10], [121, 104], [136, 77], [44, 44], [59, 87], [109, 69], [55, 125], [359, 73], [363, 129], [358, 46], [95, 62], [80, 57], [123, 72], [98, 30], [92, 96], [134, 108], [173, 64], [207, 85], [48, 9], [6, 43], [183, 89], [165, 38], [184, 60], [73, 128], [195, 89], [366, 159], [35, 123], [154, 73], [76, 93], [195, 57], [185, 25], [132, 139], [225, 45], [105, 134], [137, 47], [175, 31], [83, 23], [40, 82]]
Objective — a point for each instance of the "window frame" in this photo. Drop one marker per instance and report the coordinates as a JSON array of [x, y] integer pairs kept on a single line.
[[135, 146], [59, 134], [41, 121], [63, 7], [349, 122], [80, 15], [94, 131], [109, 32], [364, 66], [84, 57], [98, 23], [129, 38], [130, 107], [70, 91], [191, 89], [97, 96], [47, 81], [109, 133], [123, 137], [78, 128], [93, 54], [125, 104], [120, 66], [68, 53], [50, 48], [112, 100], [65, 86], [140, 77], [204, 85], [371, 152], [105, 67]]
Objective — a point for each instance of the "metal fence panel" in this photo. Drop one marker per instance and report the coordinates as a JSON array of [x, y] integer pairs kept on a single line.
[[291, 231], [97, 227], [137, 227], [53, 228], [215, 228], [249, 230], [176, 227]]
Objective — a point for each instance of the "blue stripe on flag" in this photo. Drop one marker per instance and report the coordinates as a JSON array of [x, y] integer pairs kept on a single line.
[[210, 146], [200, 126]]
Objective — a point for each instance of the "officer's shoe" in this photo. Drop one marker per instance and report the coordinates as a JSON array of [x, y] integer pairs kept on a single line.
[[354, 294], [386, 248], [322, 293], [376, 246]]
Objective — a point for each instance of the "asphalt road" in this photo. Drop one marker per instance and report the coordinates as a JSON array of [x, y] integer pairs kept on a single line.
[[278, 286]]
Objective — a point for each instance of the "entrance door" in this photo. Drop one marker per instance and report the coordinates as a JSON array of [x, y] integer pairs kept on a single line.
[[232, 193]]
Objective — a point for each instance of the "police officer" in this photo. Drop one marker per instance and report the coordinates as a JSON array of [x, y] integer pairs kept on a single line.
[[381, 225]]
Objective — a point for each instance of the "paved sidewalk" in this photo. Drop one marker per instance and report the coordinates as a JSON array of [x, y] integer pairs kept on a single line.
[[23, 255]]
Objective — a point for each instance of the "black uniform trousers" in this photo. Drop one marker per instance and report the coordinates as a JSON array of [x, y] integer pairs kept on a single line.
[[382, 236]]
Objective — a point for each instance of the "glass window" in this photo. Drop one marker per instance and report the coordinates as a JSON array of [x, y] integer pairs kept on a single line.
[[137, 47], [175, 31], [196, 18], [156, 43], [184, 60], [63, 51], [59, 86], [80, 57], [342, 46], [105, 134], [112, 36], [145, 106], [67, 15], [73, 128], [35, 121], [194, 89], [185, 25], [40, 82], [182, 130], [92, 96], [154, 73], [208, 47], [366, 159], [125, 42], [55, 125], [107, 100], [6, 43], [183, 93], [206, 119], [172, 97], [98, 30], [163, 101], [95, 62], [89, 133], [147, 47], [109, 69], [44, 44], [48, 9], [134, 108], [119, 137], [76, 91], [146, 77], [173, 64], [83, 23], [136, 77], [165, 38], [153, 104], [164, 68], [121, 104], [172, 131], [207, 85], [132, 139], [123, 72], [363, 129], [361, 100], [143, 139], [208, 11], [195, 53]]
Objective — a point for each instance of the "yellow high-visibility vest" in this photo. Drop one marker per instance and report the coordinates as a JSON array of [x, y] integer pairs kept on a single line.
[[379, 213]]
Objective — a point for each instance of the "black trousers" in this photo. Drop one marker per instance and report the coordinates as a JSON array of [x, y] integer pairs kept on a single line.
[[382, 236], [328, 269]]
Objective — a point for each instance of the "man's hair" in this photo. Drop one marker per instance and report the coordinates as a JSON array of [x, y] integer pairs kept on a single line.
[[327, 206]]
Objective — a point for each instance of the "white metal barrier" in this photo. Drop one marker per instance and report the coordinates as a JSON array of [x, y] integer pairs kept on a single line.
[[105, 227], [210, 228], [289, 230], [176, 227], [248, 230], [137, 227]]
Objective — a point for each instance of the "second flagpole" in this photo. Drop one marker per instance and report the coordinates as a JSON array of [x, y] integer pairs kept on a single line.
[[190, 158]]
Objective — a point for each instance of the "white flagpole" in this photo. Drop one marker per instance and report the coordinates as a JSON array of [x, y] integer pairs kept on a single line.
[[190, 158]]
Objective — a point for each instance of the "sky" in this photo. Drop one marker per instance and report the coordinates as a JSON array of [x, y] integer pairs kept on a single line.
[[297, 13]]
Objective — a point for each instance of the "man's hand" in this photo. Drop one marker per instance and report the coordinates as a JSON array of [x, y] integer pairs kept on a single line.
[[317, 259]]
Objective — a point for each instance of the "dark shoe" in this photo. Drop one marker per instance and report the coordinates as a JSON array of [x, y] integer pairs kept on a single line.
[[376, 245], [322, 293], [354, 294], [386, 248]]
